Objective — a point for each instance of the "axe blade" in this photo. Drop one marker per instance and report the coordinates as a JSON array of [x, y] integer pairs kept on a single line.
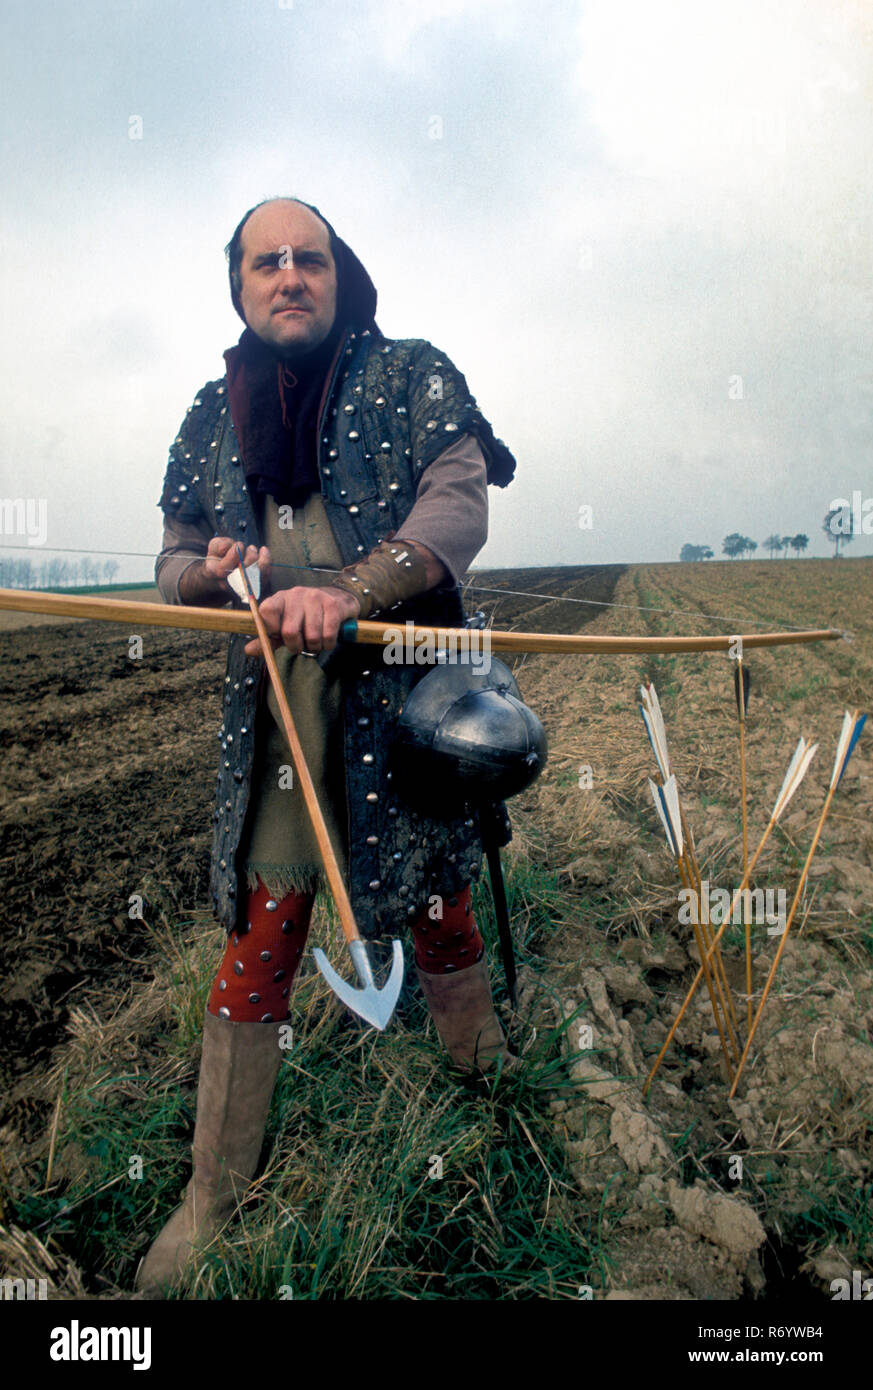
[[374, 1005]]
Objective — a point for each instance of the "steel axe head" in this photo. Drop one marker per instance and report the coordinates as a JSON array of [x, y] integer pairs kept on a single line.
[[374, 1005]]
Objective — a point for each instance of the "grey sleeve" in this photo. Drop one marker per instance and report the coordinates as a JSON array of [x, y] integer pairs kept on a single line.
[[450, 514], [183, 545]]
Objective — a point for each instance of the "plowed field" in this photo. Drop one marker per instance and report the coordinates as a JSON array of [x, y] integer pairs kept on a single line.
[[108, 768]]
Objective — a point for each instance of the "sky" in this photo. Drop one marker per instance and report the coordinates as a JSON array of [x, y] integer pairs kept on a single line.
[[641, 228]]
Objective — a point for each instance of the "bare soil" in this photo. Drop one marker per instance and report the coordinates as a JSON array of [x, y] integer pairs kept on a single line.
[[107, 794], [792, 1151]]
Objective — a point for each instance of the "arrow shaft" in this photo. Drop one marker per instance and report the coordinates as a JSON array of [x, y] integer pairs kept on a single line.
[[704, 962], [331, 867], [728, 918], [784, 938]]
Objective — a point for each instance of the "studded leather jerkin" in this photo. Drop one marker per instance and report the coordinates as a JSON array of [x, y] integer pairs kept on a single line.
[[391, 408]]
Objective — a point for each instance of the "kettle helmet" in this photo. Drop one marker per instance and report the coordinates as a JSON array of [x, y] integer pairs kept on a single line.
[[466, 739]]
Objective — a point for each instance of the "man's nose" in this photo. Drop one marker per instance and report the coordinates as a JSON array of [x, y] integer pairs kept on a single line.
[[291, 279]]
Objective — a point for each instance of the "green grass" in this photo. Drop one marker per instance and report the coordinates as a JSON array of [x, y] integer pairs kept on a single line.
[[103, 588], [834, 1214], [808, 687], [348, 1207]]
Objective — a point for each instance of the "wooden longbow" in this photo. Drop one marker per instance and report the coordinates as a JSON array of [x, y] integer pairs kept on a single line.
[[241, 623]]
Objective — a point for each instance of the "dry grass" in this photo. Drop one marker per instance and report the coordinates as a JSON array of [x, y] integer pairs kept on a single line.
[[543, 1188]]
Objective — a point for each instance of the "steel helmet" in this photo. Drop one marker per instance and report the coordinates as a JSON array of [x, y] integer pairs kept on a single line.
[[465, 739]]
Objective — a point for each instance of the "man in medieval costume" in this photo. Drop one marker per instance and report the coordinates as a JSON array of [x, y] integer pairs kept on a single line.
[[353, 469]]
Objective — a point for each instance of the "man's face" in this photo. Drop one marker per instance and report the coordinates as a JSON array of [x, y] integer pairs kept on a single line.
[[289, 285]]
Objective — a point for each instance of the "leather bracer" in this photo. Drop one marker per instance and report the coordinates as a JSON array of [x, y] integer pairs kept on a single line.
[[392, 572]]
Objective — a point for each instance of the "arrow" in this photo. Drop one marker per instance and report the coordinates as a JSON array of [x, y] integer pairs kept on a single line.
[[669, 809], [851, 732], [802, 757], [681, 841], [372, 1004], [742, 681]]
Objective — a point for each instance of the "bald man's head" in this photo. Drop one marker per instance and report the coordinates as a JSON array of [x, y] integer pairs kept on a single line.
[[283, 275]]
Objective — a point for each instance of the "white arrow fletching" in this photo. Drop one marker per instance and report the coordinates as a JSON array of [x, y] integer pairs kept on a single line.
[[648, 723], [654, 721], [671, 794], [845, 735], [656, 797], [803, 756], [235, 580]]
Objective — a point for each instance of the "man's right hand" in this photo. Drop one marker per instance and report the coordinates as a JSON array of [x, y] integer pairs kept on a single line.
[[205, 583]]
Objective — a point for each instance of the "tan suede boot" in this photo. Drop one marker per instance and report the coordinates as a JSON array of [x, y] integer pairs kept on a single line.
[[463, 1011], [237, 1074]]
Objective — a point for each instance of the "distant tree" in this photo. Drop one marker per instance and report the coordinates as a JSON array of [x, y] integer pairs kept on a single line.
[[20, 574], [839, 527], [695, 552], [749, 546], [110, 570], [799, 542], [734, 545], [706, 552], [772, 543]]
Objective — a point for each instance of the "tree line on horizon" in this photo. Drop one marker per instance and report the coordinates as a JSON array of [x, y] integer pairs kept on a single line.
[[736, 545], [20, 572], [837, 526]]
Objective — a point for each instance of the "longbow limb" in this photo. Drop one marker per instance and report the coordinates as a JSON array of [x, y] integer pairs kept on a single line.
[[241, 623]]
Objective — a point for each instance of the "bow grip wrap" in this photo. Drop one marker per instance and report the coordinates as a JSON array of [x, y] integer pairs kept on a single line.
[[392, 572]]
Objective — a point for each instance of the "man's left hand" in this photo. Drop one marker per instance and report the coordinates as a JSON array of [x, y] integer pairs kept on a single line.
[[305, 619]]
